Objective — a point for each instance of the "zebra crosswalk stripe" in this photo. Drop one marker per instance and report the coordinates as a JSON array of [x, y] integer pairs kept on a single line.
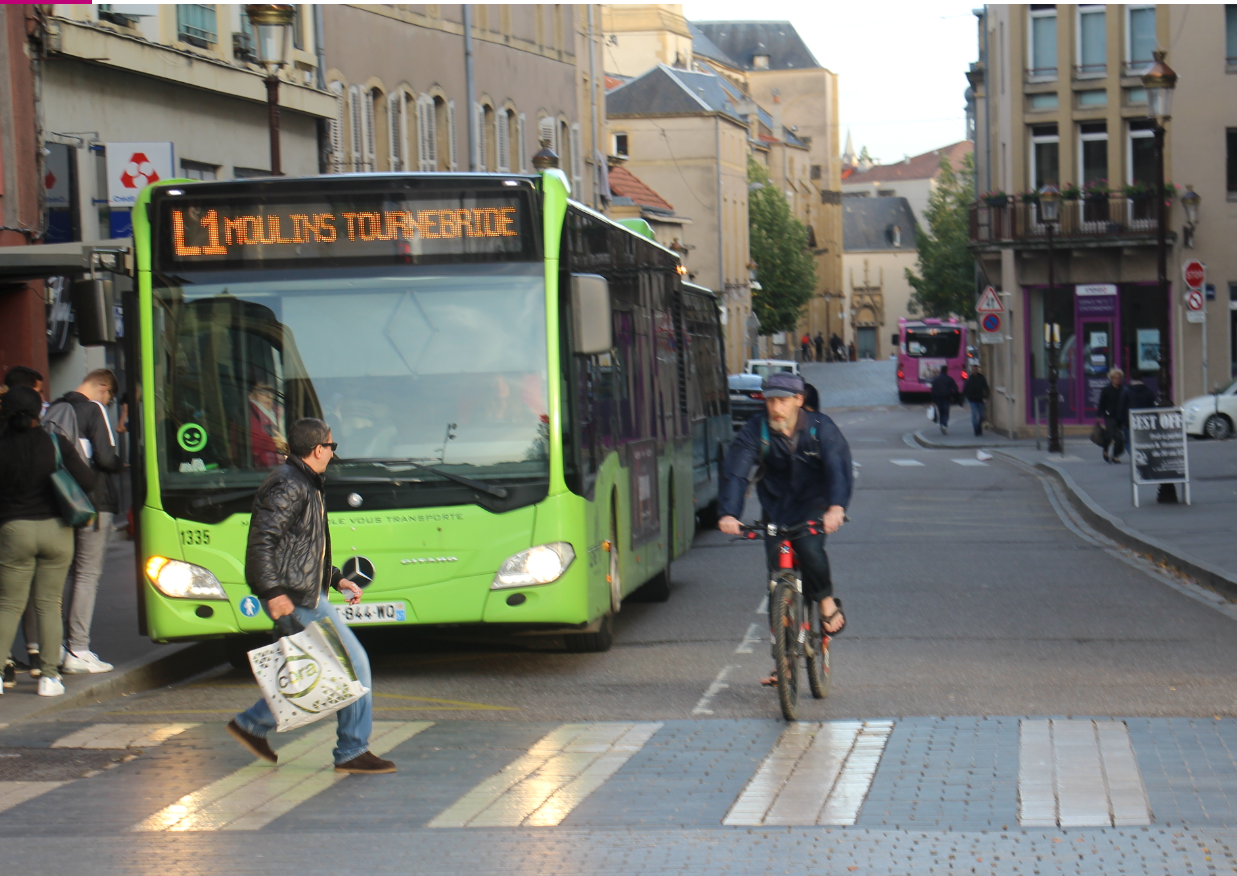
[[101, 736], [255, 795], [816, 774], [543, 786]]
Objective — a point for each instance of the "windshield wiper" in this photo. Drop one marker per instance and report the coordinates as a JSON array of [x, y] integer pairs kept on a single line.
[[480, 486]]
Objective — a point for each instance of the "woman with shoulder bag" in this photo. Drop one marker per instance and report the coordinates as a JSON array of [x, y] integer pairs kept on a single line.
[[36, 545], [1109, 411]]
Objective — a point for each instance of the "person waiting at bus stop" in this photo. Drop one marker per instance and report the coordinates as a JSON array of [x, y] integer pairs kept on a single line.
[[803, 473], [288, 566]]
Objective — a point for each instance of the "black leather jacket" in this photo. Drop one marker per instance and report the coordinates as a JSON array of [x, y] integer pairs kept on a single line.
[[289, 552]]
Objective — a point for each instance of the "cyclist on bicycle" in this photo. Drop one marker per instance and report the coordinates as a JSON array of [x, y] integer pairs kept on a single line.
[[804, 473]]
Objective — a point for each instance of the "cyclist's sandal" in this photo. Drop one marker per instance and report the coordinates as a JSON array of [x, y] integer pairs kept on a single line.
[[825, 621], [770, 680]]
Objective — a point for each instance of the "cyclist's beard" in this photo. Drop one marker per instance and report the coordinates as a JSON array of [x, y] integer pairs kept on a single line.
[[780, 424]]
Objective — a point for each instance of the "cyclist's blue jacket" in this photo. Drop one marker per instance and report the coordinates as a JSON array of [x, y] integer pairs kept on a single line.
[[791, 489]]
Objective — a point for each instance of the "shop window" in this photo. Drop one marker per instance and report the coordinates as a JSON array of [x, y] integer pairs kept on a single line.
[[1092, 42], [1043, 49], [1139, 39]]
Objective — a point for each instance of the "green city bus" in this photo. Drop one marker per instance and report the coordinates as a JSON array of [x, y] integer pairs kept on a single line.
[[530, 402]]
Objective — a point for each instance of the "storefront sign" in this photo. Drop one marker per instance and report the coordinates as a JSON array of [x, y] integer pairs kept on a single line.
[[1158, 448], [133, 166], [1097, 299]]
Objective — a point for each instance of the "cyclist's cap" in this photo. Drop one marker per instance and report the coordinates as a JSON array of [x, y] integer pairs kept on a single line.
[[783, 384]]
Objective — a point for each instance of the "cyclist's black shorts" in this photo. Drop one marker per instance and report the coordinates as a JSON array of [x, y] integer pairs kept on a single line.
[[813, 563]]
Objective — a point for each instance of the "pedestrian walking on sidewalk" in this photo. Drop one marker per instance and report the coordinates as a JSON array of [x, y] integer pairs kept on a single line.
[[1109, 415], [97, 445], [944, 391], [288, 566], [1136, 396], [819, 343], [975, 391], [36, 546]]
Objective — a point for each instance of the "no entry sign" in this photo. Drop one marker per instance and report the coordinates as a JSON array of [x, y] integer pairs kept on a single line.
[[1195, 273]]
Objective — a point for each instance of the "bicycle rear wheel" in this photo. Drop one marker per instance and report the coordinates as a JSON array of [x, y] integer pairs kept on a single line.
[[784, 614], [819, 676]]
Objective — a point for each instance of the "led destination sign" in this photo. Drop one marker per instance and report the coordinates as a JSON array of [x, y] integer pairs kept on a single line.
[[377, 229]]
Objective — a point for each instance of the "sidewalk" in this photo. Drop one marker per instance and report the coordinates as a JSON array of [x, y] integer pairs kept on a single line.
[[1195, 538], [140, 663]]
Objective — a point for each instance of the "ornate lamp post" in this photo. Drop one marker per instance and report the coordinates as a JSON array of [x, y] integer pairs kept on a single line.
[[272, 25], [1159, 81], [1190, 202], [1049, 213]]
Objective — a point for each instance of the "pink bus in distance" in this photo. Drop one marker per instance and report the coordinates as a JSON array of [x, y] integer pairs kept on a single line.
[[925, 345]]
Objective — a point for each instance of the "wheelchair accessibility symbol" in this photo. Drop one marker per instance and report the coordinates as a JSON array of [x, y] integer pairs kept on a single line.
[[250, 606]]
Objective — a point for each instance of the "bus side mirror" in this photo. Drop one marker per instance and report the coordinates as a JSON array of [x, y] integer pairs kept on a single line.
[[894, 339], [590, 314], [94, 312]]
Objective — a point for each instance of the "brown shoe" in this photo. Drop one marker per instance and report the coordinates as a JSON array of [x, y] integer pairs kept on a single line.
[[256, 745], [365, 763]]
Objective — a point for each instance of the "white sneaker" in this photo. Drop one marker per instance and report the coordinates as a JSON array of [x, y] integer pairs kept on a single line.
[[85, 662], [50, 687]]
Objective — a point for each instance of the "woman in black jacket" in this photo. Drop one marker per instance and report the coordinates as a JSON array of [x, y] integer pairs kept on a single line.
[[36, 546], [1109, 411]]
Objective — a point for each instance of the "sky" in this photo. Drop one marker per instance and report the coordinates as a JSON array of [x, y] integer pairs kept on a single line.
[[901, 65]]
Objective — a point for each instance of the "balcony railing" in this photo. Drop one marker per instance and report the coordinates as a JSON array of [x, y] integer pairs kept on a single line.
[[1097, 218]]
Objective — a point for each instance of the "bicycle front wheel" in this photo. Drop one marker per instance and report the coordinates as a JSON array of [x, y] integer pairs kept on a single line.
[[784, 614], [819, 676]]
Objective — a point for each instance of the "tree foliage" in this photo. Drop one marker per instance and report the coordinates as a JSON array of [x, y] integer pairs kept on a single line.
[[779, 245], [945, 284]]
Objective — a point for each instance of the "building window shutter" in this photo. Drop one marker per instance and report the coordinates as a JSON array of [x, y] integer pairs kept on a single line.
[[502, 140], [371, 130], [427, 134], [337, 128], [356, 114], [395, 116], [577, 159], [547, 133], [521, 144], [479, 146], [454, 152]]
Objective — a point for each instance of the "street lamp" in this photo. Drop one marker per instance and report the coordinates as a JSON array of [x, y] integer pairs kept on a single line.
[[272, 26], [1049, 213], [1190, 202], [1159, 81]]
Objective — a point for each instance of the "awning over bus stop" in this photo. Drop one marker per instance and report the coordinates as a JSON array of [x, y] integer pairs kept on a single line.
[[20, 263]]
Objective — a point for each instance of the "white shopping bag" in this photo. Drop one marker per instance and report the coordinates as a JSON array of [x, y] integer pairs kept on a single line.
[[932, 413], [306, 676]]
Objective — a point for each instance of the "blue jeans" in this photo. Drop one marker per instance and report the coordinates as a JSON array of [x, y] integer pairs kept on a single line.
[[977, 417], [942, 410], [356, 720]]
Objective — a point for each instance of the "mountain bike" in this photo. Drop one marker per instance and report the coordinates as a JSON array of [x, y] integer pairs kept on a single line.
[[796, 626]]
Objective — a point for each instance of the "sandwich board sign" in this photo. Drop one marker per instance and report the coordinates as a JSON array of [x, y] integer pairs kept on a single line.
[[1157, 449]]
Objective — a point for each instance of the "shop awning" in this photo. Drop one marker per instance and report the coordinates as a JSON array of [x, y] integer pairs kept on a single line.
[[18, 263]]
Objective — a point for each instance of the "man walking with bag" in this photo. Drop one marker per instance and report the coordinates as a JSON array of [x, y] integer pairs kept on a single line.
[[288, 566]]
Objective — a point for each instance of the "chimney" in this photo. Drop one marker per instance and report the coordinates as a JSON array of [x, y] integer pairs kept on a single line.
[[778, 131]]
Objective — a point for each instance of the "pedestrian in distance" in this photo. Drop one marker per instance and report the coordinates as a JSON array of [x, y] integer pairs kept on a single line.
[[1135, 397], [975, 391], [805, 348], [819, 343], [36, 545], [288, 566], [97, 445], [836, 345], [851, 354], [944, 391], [1108, 412]]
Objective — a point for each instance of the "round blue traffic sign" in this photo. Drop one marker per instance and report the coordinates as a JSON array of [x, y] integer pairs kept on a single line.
[[250, 606], [991, 322]]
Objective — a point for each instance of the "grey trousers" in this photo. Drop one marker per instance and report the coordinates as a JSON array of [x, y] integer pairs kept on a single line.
[[90, 543], [34, 555]]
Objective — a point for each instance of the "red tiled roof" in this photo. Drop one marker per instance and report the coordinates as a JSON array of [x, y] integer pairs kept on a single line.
[[626, 184], [925, 166]]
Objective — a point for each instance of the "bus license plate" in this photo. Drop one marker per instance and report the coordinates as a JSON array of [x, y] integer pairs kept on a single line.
[[372, 613]]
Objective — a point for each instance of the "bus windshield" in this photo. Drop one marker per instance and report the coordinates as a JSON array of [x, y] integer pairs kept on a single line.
[[444, 366], [936, 343]]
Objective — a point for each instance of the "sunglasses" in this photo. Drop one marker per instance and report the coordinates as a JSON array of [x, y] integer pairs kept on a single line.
[[334, 445]]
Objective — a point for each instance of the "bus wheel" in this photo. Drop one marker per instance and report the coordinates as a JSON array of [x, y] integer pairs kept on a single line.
[[707, 517], [237, 649], [904, 397], [593, 643]]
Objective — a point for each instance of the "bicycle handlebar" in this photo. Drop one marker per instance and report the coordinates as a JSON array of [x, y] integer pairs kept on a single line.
[[772, 530]]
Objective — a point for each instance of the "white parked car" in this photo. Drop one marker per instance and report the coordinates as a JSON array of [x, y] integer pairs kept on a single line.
[[765, 367], [1212, 415]]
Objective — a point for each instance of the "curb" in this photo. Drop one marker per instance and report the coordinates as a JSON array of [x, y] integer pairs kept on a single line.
[[136, 676], [923, 441], [1201, 571]]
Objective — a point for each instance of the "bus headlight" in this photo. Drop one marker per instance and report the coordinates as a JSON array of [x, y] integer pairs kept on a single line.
[[183, 580], [537, 565]]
